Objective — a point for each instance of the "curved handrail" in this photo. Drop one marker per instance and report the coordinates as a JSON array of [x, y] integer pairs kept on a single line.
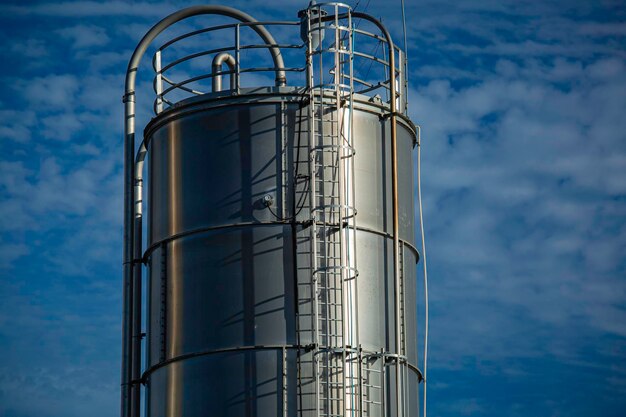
[[368, 85]]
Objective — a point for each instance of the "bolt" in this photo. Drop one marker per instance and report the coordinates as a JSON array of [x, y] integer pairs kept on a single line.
[[268, 200]]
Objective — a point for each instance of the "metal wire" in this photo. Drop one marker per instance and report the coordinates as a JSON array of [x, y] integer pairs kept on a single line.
[[299, 205], [419, 202], [406, 48]]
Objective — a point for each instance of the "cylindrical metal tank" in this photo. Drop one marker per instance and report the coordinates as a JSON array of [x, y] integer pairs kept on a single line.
[[229, 310], [280, 250]]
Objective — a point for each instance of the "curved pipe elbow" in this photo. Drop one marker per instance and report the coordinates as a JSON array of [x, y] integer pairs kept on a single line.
[[210, 9], [218, 61]]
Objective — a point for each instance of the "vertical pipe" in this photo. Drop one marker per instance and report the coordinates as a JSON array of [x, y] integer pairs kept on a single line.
[[396, 237], [135, 399], [137, 334], [129, 153]]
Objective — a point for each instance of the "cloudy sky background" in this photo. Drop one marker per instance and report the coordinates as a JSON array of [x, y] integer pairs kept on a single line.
[[523, 113]]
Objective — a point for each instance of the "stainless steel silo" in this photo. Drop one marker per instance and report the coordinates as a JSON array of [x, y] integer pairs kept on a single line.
[[280, 249]]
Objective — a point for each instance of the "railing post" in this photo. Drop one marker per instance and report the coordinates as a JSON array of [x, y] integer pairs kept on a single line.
[[158, 84], [237, 59]]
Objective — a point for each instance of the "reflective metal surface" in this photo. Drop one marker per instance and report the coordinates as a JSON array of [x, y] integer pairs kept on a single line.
[[229, 286]]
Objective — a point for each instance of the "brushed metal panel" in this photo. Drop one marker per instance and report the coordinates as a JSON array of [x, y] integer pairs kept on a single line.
[[375, 287], [231, 384], [214, 167], [225, 289], [247, 284], [406, 198], [373, 175], [410, 305], [413, 393]]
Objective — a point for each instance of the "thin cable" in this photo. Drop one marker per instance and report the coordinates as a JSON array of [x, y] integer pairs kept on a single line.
[[364, 10], [406, 62], [358, 23], [406, 49], [419, 199], [419, 202], [296, 174], [299, 205], [373, 53]]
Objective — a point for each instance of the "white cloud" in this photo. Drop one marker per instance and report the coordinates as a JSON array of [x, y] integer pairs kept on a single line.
[[91, 9], [61, 127], [55, 193], [85, 36], [516, 208], [16, 125], [603, 29], [10, 252], [100, 62], [53, 92], [30, 48]]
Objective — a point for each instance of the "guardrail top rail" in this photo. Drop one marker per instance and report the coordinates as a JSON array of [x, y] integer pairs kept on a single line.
[[185, 67]]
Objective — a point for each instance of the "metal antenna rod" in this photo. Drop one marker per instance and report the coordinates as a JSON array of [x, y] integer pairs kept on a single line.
[[406, 48], [406, 58]]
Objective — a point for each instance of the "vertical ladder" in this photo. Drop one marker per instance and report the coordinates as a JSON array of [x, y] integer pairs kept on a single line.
[[372, 370], [402, 350], [331, 198]]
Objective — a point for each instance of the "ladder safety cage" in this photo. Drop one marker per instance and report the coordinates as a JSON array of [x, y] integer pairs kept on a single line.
[[328, 32]]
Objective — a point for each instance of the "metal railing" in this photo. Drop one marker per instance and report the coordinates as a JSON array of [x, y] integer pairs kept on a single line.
[[180, 73], [165, 85]]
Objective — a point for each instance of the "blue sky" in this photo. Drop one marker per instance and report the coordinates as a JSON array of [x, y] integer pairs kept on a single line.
[[523, 113]]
